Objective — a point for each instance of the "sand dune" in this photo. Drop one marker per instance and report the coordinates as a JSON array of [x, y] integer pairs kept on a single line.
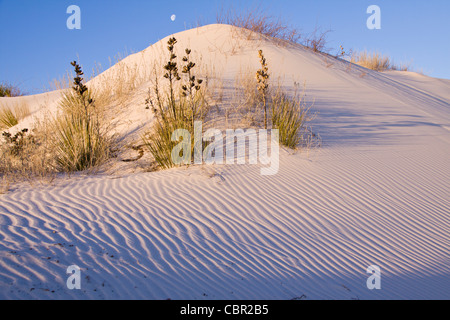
[[377, 192]]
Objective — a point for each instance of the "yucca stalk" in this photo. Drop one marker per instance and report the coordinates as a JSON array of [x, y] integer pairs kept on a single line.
[[172, 72], [262, 77], [192, 88]]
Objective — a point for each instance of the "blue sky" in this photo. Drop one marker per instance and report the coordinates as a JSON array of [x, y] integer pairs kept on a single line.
[[36, 45]]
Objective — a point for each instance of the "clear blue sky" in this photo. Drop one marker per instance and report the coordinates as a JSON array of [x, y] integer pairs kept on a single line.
[[36, 45]]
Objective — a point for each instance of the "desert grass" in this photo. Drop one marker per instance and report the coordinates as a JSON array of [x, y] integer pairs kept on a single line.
[[373, 60], [26, 156], [75, 138], [11, 116], [377, 61], [7, 118], [242, 107], [259, 23], [256, 24], [288, 111], [81, 142], [290, 115]]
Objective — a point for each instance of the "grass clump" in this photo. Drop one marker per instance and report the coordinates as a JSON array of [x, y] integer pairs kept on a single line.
[[9, 90], [11, 116], [376, 61], [289, 116], [81, 142], [7, 118], [373, 61], [174, 109]]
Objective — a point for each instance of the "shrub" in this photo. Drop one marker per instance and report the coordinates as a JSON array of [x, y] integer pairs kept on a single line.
[[24, 156], [174, 111], [81, 142], [9, 90], [15, 144], [317, 40]]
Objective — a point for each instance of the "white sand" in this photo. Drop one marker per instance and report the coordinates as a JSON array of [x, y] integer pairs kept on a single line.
[[377, 192]]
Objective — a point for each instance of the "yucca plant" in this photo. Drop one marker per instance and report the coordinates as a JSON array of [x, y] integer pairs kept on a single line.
[[174, 111], [81, 141]]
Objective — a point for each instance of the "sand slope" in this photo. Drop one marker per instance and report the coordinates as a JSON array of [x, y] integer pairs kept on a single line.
[[377, 192]]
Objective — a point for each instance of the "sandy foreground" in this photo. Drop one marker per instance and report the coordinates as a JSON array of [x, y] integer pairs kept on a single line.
[[376, 192]]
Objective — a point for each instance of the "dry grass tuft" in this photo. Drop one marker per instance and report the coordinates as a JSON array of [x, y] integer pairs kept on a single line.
[[11, 116], [376, 61], [373, 61], [259, 23], [290, 116]]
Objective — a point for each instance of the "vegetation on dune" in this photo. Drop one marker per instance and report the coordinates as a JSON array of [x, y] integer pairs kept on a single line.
[[9, 90], [289, 114], [376, 61], [174, 109], [81, 141], [79, 136]]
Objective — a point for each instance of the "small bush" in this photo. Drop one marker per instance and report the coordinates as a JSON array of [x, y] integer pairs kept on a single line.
[[24, 156], [9, 90], [15, 144], [317, 40]]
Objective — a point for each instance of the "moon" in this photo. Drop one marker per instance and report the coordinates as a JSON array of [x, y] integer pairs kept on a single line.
[[173, 17]]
